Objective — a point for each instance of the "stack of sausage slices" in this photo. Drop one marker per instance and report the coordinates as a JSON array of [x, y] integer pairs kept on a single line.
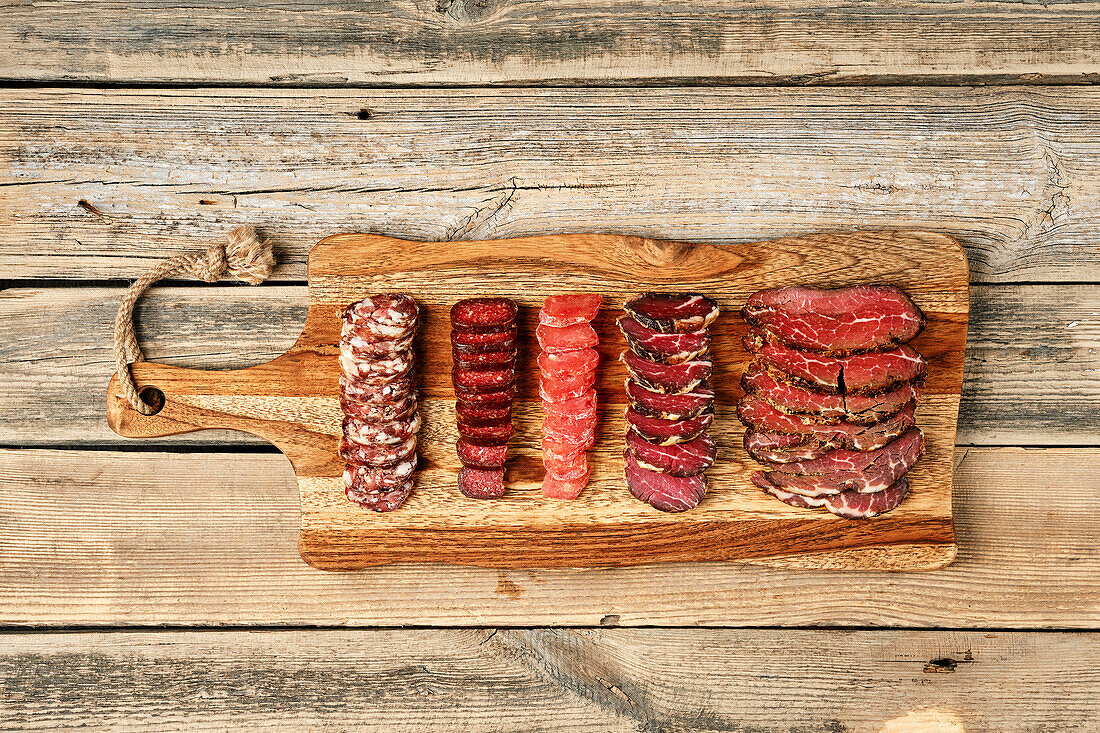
[[378, 399], [567, 379], [483, 349], [671, 401], [831, 396]]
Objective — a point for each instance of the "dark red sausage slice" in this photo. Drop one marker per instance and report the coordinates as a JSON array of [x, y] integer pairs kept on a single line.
[[479, 455], [487, 433], [488, 379], [478, 483], [501, 397], [483, 312], [475, 360], [476, 342], [482, 414]]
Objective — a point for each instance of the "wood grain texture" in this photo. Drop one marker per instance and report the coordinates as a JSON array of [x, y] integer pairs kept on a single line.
[[114, 538], [555, 680], [386, 42], [1008, 171], [1029, 378], [292, 402]]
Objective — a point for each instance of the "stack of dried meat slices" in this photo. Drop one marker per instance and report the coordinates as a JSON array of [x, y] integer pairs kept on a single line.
[[567, 378], [483, 348], [831, 396], [378, 398], [671, 401]]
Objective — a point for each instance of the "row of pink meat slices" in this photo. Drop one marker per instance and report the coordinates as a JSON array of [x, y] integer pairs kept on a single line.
[[829, 404]]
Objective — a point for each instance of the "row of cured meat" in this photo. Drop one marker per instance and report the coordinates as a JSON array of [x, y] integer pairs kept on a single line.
[[830, 389]]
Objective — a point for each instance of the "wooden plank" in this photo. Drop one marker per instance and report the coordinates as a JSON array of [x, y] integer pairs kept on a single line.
[[1009, 171], [554, 680], [388, 42], [1032, 352], [293, 402], [196, 539]]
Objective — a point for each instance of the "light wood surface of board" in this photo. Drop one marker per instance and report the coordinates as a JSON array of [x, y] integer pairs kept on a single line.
[[292, 402]]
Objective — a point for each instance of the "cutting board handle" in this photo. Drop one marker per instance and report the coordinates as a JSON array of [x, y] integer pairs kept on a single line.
[[179, 392]]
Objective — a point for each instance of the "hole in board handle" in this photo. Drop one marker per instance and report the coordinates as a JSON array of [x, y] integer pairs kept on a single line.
[[153, 397]]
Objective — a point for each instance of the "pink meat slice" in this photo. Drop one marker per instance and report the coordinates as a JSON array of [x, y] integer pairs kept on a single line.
[[848, 504], [679, 459], [566, 338], [560, 389], [567, 310], [840, 321], [661, 490], [567, 470], [667, 432], [858, 373], [844, 470], [484, 313], [568, 489], [569, 425], [762, 416], [669, 406], [583, 405], [791, 397], [667, 378], [567, 362], [673, 312], [478, 483], [667, 348]]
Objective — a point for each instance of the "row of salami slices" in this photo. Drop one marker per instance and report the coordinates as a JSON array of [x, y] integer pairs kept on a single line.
[[831, 396], [378, 399]]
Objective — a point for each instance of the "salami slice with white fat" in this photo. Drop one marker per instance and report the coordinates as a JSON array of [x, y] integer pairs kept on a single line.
[[374, 432], [378, 455], [376, 370], [387, 316], [377, 392]]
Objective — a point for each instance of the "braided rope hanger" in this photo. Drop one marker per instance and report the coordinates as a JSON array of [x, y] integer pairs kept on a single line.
[[245, 254]]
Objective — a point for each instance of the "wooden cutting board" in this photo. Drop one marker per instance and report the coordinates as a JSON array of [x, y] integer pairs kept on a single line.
[[292, 401]]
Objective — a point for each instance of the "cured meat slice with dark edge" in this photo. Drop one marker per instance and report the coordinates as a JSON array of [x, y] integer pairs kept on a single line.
[[673, 312], [762, 416], [500, 397], [477, 342], [669, 406], [486, 433], [790, 397], [843, 470], [847, 504], [561, 363], [777, 448], [836, 321], [566, 310], [854, 374], [667, 348], [483, 313], [482, 414], [661, 490], [478, 483], [666, 432], [478, 455], [566, 338], [667, 378], [477, 360], [486, 379], [377, 500], [680, 459], [371, 348]]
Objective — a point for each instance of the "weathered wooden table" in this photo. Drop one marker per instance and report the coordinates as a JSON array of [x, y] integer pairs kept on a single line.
[[157, 584]]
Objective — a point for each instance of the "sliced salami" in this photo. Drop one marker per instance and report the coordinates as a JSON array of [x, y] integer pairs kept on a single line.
[[373, 348], [477, 360], [378, 500], [383, 412], [374, 432], [476, 342], [379, 455], [376, 370], [377, 392], [482, 455], [387, 316], [482, 414], [479, 313], [493, 434], [500, 397], [478, 483], [487, 379], [367, 478]]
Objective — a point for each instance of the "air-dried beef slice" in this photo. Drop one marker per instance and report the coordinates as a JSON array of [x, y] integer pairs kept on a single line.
[[845, 470], [791, 397], [486, 433], [568, 489], [482, 455], [583, 405], [481, 313], [372, 432], [373, 348], [667, 348], [667, 378], [378, 392], [485, 379], [837, 321], [476, 342], [387, 316], [382, 412], [569, 434], [673, 312], [857, 373], [565, 310], [376, 370], [666, 432], [567, 362], [566, 338], [669, 406], [378, 455], [847, 504], [557, 424], [778, 448], [380, 501], [472, 360], [500, 397], [482, 414], [478, 483], [679, 459], [661, 490], [566, 467], [561, 389], [760, 415], [553, 447]]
